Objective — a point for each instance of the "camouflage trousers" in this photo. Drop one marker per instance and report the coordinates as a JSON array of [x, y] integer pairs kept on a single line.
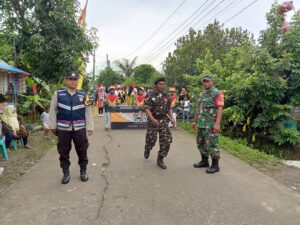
[[165, 137], [208, 143]]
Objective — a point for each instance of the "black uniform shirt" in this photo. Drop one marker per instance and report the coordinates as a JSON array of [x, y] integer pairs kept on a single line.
[[159, 104]]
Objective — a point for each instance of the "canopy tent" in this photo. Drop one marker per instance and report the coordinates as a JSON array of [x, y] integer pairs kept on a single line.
[[12, 79], [11, 69]]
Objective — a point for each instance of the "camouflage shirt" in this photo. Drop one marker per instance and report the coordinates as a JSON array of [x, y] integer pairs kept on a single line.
[[209, 102], [159, 104]]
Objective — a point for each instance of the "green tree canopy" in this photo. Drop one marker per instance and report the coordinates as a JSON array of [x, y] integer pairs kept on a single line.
[[109, 77]]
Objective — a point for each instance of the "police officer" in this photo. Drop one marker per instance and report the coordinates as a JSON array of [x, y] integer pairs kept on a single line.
[[159, 112], [207, 119], [71, 120]]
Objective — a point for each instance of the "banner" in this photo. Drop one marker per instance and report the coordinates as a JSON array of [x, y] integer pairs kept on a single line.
[[128, 118]]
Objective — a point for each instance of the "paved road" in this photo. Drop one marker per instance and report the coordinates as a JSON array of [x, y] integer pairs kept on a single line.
[[125, 189]]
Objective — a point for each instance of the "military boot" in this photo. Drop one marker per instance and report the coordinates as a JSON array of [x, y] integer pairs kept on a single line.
[[83, 175], [146, 153], [214, 167], [203, 163], [160, 162], [66, 176]]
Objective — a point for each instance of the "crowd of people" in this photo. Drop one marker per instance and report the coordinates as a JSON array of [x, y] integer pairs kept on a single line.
[[116, 95]]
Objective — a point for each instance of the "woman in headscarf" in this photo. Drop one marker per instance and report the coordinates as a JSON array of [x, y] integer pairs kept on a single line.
[[13, 127]]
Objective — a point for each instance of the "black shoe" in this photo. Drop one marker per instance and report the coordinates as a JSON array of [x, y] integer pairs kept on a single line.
[[203, 163], [146, 154], [214, 167], [66, 178], [160, 162], [83, 176]]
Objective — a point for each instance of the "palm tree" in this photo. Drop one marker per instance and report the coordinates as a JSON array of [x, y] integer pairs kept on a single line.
[[126, 66]]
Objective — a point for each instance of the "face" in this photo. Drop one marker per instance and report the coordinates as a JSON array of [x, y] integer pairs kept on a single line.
[[172, 93], [207, 84], [183, 91], [161, 86], [112, 91], [140, 92], [72, 83], [2, 106]]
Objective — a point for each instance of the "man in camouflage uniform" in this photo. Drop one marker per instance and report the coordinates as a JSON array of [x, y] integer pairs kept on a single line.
[[159, 112], [208, 116]]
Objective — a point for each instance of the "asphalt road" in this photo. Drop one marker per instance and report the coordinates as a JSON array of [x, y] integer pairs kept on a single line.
[[125, 189]]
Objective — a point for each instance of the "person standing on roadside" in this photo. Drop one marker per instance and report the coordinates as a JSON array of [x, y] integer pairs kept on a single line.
[[70, 119], [207, 120]]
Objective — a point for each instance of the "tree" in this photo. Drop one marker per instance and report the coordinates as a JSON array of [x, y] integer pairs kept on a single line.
[[109, 77], [45, 36], [196, 44], [143, 73], [126, 66]]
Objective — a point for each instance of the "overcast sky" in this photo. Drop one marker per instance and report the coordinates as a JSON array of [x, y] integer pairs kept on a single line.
[[124, 25]]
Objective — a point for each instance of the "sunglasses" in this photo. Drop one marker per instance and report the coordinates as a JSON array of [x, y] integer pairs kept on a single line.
[[73, 79]]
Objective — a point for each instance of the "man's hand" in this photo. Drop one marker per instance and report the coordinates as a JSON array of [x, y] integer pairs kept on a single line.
[[90, 132], [54, 131], [217, 128], [194, 125], [155, 122]]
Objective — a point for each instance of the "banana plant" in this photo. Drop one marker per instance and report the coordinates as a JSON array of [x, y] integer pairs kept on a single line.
[[31, 102]]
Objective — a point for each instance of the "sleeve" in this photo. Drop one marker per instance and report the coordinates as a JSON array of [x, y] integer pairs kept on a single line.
[[89, 118], [219, 101], [148, 102], [53, 112]]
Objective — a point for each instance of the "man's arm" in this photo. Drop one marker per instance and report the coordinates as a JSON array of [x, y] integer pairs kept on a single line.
[[196, 116], [89, 120], [53, 114]]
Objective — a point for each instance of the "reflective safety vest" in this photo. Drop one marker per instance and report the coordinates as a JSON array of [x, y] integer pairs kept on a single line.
[[71, 109]]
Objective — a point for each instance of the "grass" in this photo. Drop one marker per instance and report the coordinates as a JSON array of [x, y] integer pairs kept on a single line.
[[21, 160], [239, 149]]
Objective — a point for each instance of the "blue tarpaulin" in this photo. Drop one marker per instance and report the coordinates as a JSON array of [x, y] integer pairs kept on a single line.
[[11, 69]]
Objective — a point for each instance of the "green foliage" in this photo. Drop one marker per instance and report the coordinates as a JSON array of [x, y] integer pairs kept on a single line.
[[126, 66], [215, 40], [239, 149], [286, 136], [44, 36], [261, 83], [143, 73], [109, 77]]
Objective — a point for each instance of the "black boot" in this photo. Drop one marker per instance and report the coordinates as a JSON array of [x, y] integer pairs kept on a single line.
[[83, 175], [66, 177], [203, 163], [160, 162], [214, 166], [146, 153]]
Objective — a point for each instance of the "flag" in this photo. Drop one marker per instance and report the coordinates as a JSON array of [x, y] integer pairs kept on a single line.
[[286, 7], [80, 23]]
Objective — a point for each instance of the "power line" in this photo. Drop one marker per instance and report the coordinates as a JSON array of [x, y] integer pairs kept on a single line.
[[157, 30], [235, 15], [182, 24], [149, 58], [167, 45]]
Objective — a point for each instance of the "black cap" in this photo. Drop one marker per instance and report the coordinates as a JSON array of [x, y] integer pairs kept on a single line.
[[72, 75], [207, 78], [2, 98], [160, 79]]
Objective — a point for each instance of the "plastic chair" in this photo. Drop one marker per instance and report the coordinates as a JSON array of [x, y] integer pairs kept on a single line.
[[3, 148], [14, 144]]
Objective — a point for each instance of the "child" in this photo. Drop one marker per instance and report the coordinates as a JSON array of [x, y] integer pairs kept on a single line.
[[45, 120], [186, 109]]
